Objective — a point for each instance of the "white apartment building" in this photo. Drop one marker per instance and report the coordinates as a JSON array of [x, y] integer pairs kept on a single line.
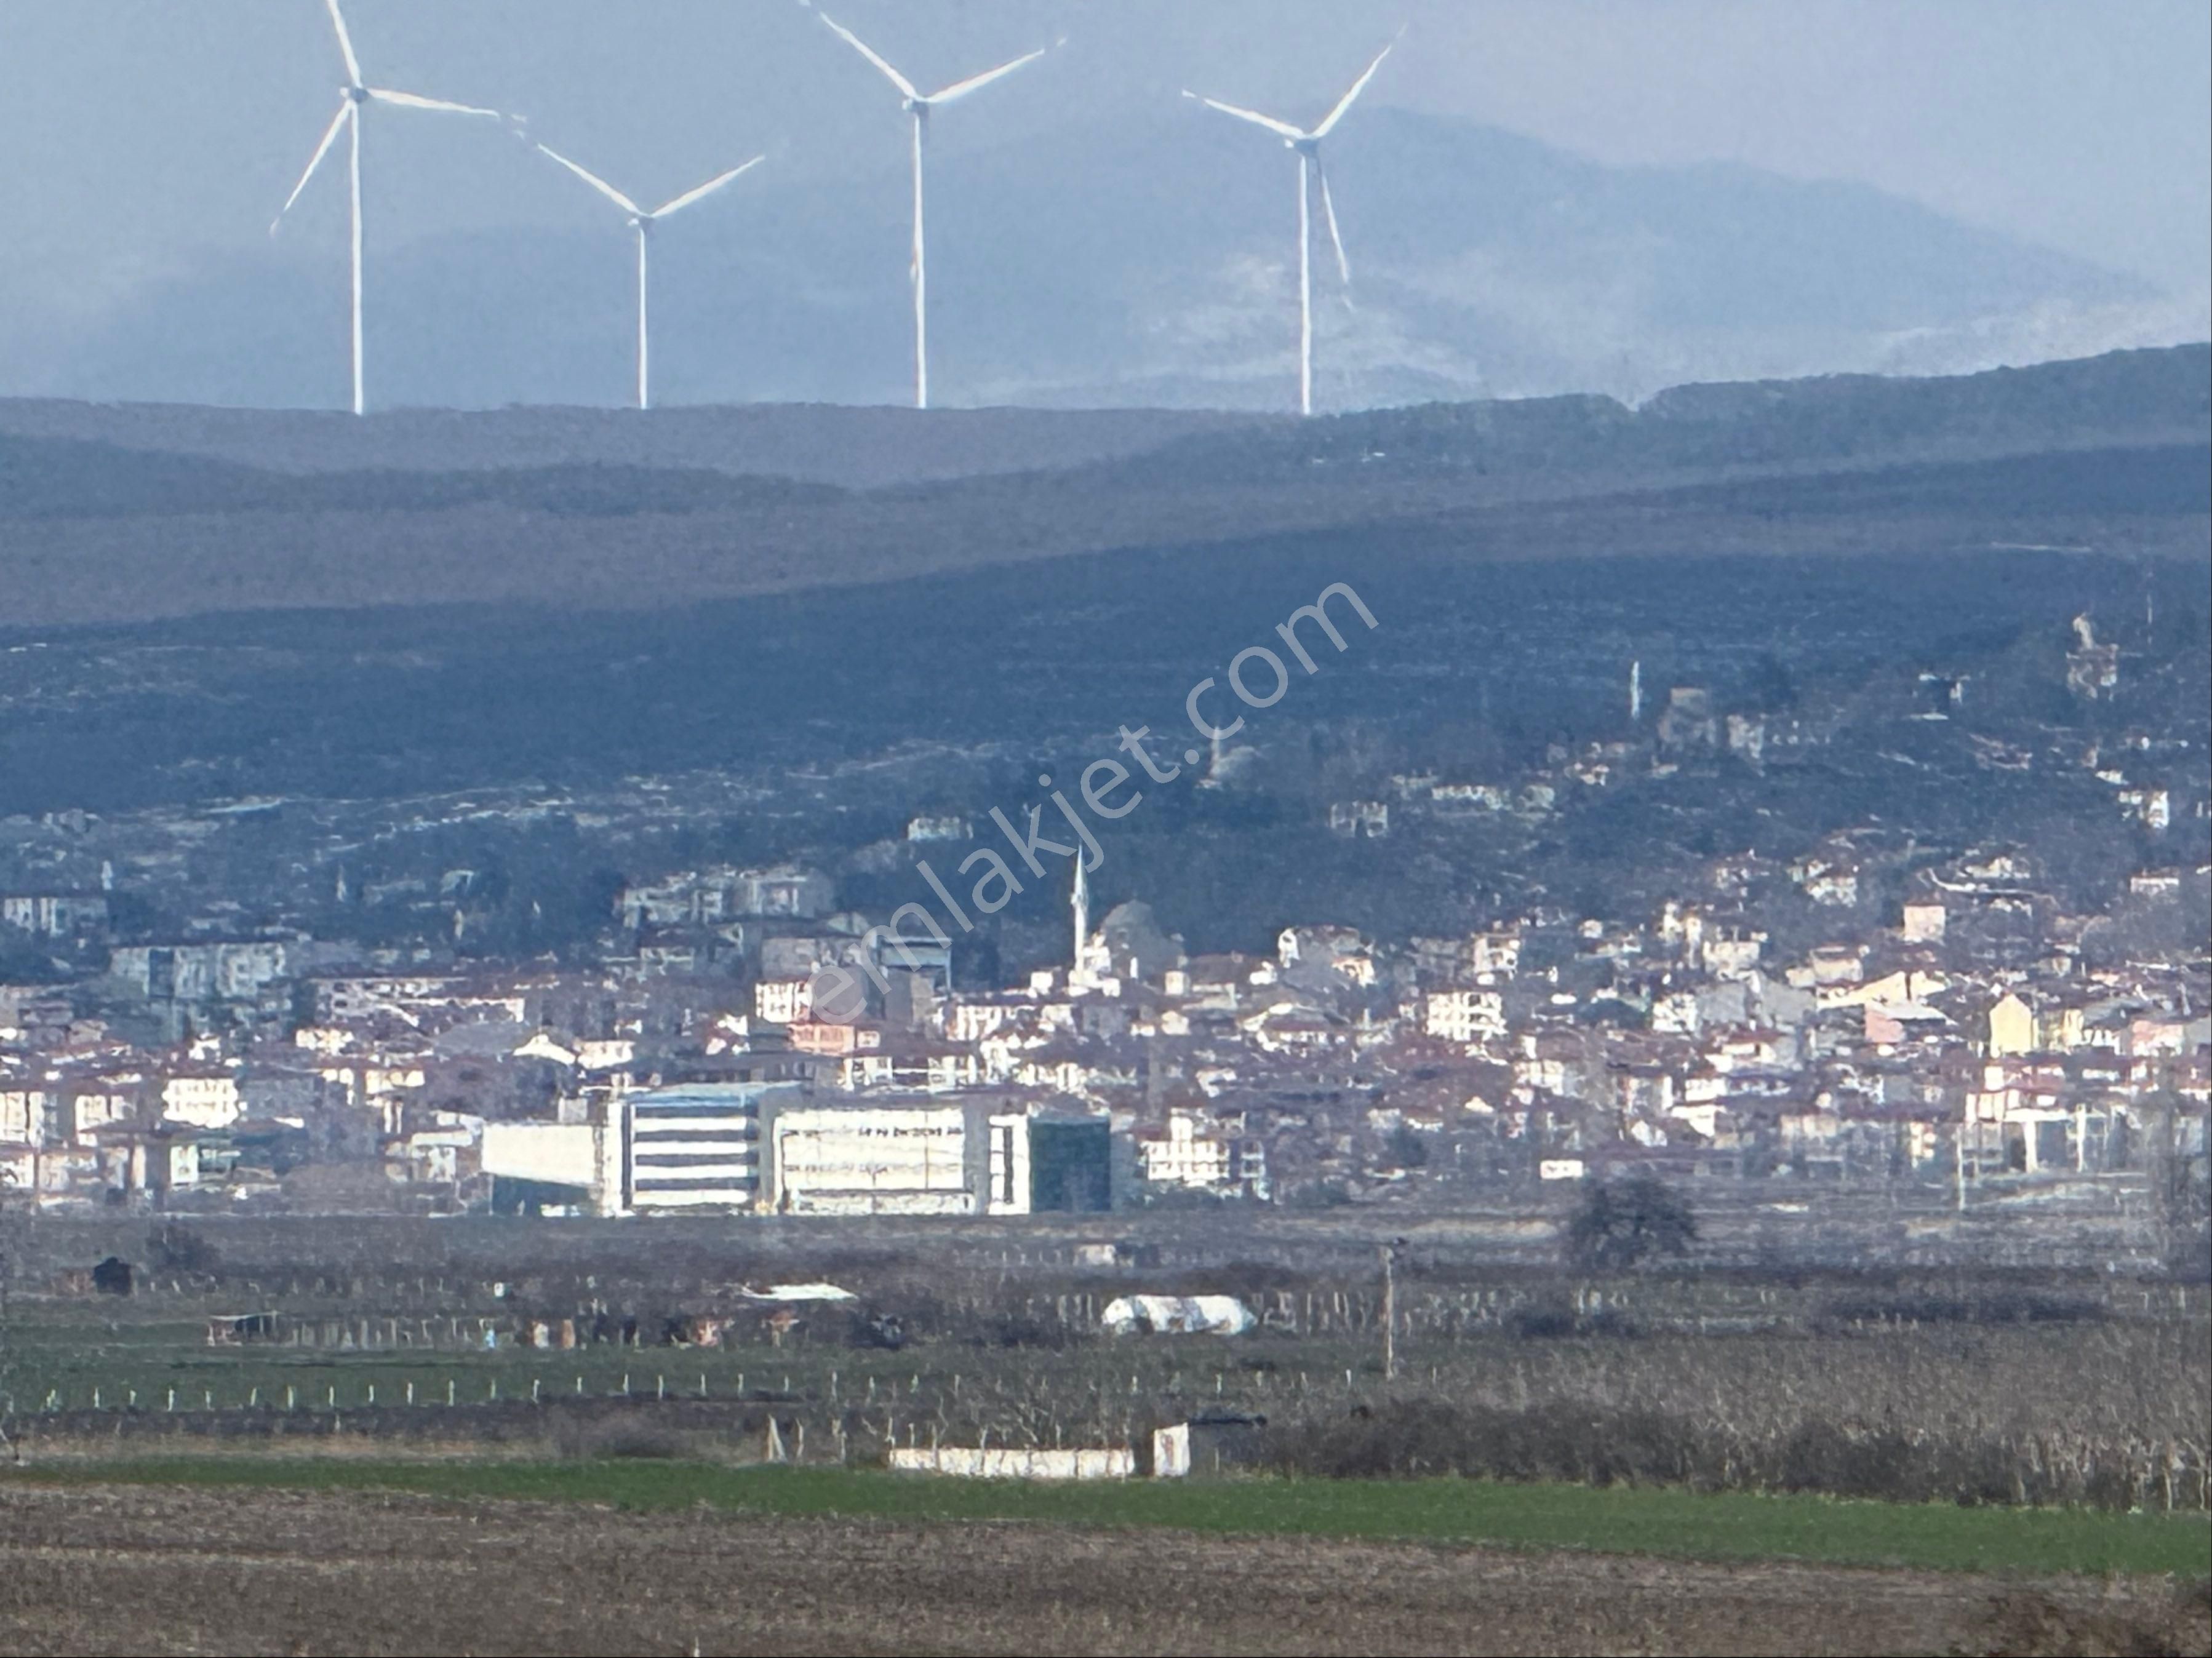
[[1465, 1015], [1182, 1154], [783, 1001]]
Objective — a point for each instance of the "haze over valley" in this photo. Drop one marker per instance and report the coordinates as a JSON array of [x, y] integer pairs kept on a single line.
[[834, 833]]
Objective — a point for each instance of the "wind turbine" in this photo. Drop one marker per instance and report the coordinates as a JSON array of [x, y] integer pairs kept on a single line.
[[1307, 144], [353, 96], [642, 222], [919, 106]]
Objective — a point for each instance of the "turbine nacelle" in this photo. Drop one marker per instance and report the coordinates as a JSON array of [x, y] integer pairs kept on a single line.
[[917, 102]]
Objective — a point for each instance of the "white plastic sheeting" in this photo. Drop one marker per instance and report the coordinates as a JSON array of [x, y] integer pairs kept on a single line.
[[997, 1463], [1215, 1316], [797, 1292]]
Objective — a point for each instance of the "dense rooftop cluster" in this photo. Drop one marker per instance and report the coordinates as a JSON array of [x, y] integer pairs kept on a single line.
[[1871, 1008]]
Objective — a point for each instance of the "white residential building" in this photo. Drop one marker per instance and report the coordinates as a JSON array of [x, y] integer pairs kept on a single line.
[[1465, 1015], [783, 1001], [1182, 1154], [203, 1099]]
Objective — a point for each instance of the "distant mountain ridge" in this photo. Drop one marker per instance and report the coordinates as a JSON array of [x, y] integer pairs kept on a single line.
[[69, 477], [1150, 265], [2124, 397], [63, 460], [850, 447], [2113, 451]]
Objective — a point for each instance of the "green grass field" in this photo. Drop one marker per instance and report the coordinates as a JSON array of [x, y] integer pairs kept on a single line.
[[1726, 1527]]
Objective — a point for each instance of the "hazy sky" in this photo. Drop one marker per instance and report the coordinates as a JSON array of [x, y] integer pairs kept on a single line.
[[139, 133]]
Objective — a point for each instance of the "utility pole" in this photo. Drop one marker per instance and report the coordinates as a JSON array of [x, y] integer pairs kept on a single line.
[[1389, 1253], [8, 1255]]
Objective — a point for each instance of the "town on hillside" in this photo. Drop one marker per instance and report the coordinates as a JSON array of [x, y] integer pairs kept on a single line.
[[1879, 1010]]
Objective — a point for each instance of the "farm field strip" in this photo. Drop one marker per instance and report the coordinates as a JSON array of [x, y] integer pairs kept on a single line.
[[145, 1363], [1676, 1524], [212, 1568], [2149, 1376]]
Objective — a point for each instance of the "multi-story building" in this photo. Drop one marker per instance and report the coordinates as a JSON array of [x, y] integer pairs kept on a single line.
[[928, 1155], [900, 1159], [687, 1148], [704, 897], [54, 914], [783, 1001], [695, 1146], [204, 1097], [1465, 1015], [231, 969], [1182, 1153], [30, 1116]]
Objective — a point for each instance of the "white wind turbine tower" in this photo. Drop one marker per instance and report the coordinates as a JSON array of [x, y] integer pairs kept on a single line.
[[919, 106], [642, 222], [352, 97], [1308, 146]]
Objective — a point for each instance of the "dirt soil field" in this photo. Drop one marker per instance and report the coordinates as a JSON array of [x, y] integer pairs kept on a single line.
[[113, 1569]]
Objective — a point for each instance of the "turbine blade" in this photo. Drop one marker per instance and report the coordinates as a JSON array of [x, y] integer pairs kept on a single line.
[[345, 43], [386, 95], [705, 190], [962, 88], [330, 137], [595, 181], [1281, 129], [1328, 212], [905, 86], [1358, 87]]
